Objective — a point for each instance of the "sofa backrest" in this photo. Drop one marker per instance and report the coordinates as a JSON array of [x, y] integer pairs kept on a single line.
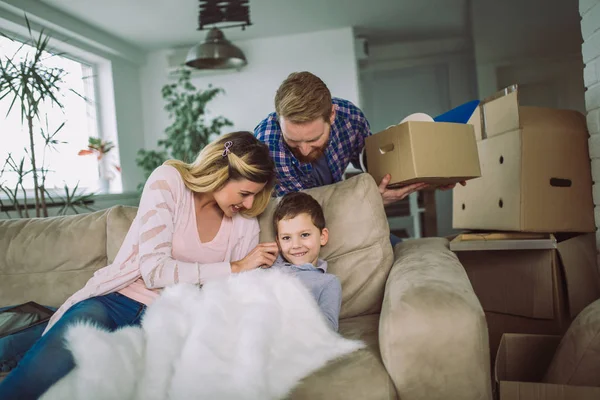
[[118, 221], [48, 259], [359, 251]]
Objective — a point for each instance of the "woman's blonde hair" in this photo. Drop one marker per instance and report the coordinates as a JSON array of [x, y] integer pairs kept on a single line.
[[235, 156]]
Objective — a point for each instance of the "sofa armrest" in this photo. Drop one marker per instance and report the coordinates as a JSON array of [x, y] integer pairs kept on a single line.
[[432, 331]]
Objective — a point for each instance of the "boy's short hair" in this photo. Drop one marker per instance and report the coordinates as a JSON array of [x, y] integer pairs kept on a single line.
[[303, 97], [294, 204]]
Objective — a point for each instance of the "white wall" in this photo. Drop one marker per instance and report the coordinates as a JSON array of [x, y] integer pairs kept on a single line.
[[249, 93], [590, 27], [536, 43], [129, 122]]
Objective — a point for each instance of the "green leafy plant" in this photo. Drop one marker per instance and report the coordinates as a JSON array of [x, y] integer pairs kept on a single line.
[[99, 148], [190, 130], [74, 201], [29, 84], [10, 164]]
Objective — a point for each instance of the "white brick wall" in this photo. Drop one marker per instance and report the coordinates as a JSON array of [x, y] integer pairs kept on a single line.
[[590, 30]]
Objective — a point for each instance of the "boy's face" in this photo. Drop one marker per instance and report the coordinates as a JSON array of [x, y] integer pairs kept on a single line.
[[300, 240]]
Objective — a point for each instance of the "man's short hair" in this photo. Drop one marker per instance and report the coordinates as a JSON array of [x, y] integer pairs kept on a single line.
[[303, 97], [296, 203]]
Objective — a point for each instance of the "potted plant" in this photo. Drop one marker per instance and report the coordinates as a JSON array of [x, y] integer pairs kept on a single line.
[[106, 170], [190, 131], [29, 84]]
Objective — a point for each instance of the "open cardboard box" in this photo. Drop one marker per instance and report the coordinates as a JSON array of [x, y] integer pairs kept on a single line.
[[438, 153], [529, 283], [535, 168], [521, 363], [540, 278], [500, 324]]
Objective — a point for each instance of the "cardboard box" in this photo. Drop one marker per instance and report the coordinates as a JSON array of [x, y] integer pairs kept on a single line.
[[521, 363], [529, 285], [438, 153], [535, 167], [534, 278], [501, 324]]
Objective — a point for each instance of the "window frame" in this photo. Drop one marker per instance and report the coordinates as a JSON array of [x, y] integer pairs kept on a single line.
[[91, 65]]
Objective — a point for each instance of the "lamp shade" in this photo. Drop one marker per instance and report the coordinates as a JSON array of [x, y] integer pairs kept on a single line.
[[215, 52]]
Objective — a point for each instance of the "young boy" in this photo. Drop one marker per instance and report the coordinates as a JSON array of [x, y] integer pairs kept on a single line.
[[300, 232]]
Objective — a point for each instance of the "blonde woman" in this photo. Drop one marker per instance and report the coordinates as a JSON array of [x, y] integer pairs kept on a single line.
[[195, 222]]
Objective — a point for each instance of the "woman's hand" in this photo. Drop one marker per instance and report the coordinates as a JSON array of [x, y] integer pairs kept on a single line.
[[263, 255]]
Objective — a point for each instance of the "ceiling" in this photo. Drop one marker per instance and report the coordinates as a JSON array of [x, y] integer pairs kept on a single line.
[[155, 24]]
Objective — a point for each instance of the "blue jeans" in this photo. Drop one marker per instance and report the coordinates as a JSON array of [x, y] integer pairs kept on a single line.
[[48, 360], [395, 240], [13, 347]]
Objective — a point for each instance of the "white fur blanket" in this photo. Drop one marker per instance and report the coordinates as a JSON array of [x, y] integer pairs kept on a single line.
[[252, 336]]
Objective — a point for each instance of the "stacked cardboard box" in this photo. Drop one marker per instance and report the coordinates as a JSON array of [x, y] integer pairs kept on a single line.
[[535, 170], [530, 277], [529, 284]]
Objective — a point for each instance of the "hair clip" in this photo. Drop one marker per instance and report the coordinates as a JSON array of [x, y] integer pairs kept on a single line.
[[227, 150]]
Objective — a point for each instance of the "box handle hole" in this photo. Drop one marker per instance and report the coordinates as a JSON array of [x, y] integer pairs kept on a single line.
[[501, 159], [500, 203], [559, 182], [463, 206], [387, 148]]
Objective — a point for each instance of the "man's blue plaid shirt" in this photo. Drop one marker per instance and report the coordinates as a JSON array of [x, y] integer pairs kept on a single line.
[[346, 141]]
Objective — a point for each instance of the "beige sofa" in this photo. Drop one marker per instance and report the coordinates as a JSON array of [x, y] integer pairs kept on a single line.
[[415, 308]]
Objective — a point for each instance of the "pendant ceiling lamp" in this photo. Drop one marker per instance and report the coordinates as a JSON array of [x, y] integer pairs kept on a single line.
[[216, 52]]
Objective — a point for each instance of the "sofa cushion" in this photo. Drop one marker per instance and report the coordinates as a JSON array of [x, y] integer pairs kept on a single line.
[[47, 259], [359, 251], [577, 358], [360, 375]]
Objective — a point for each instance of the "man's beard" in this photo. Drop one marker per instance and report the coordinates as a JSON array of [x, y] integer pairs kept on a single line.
[[312, 156]]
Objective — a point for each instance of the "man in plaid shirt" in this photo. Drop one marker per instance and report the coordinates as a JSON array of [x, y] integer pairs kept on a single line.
[[313, 137]]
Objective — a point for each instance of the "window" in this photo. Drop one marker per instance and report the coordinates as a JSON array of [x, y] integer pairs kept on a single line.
[[64, 164]]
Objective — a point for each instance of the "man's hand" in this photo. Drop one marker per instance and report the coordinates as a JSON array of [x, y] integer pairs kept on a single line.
[[452, 185], [393, 195], [263, 255]]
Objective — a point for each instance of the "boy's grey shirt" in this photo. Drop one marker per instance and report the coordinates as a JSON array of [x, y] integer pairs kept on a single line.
[[325, 288]]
